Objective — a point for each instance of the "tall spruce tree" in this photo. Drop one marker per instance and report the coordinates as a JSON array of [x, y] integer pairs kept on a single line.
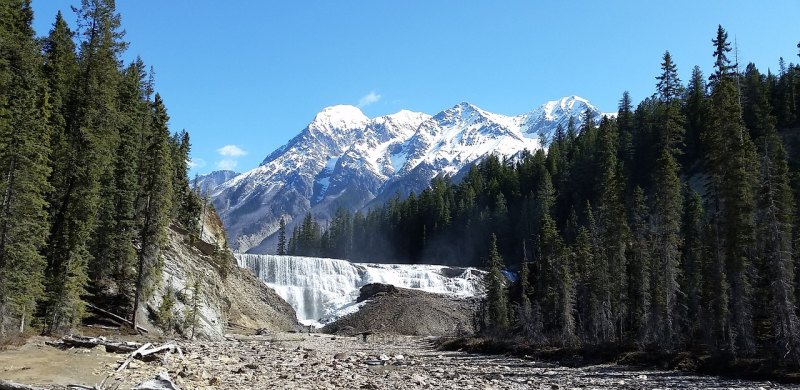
[[613, 226], [732, 162], [639, 267], [60, 70], [666, 217], [496, 295], [693, 261], [155, 203], [82, 192], [775, 238], [24, 152], [695, 111], [281, 237]]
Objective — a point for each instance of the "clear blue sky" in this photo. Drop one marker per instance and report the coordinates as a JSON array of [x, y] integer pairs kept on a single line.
[[253, 73]]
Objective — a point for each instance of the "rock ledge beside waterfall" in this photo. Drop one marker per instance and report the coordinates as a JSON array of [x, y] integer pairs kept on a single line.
[[393, 310]]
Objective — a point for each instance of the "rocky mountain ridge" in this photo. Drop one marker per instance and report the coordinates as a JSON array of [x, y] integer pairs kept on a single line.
[[345, 159]]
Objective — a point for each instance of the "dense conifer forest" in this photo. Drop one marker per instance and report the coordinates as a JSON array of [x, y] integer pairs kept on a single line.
[[670, 225], [90, 174]]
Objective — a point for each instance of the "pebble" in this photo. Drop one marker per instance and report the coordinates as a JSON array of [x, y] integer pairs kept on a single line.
[[292, 361]]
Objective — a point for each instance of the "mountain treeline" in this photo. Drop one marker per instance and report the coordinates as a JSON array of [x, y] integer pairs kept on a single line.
[[90, 175], [671, 225]]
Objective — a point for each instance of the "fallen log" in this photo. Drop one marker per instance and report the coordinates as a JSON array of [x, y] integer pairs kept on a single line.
[[168, 346], [103, 327], [8, 385], [91, 342], [114, 316], [132, 356]]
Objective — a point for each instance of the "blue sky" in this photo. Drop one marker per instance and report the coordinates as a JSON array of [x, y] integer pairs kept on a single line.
[[251, 74]]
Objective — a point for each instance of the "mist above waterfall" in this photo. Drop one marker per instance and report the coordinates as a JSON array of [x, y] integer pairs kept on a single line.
[[321, 290]]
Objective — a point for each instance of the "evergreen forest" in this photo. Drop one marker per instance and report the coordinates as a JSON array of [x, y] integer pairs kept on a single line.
[[671, 225], [90, 174]]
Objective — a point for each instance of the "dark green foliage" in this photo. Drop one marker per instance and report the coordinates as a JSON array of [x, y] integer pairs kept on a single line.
[[24, 152], [87, 169], [693, 261], [670, 226], [666, 244], [155, 202], [282, 249], [639, 267], [496, 295], [186, 204]]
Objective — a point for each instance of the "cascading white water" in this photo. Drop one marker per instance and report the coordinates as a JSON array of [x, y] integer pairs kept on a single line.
[[321, 290]]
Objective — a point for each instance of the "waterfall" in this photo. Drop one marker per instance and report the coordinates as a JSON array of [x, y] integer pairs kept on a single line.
[[321, 290]]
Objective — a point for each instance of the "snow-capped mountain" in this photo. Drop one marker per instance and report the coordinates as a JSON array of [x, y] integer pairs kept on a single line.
[[345, 159], [208, 182]]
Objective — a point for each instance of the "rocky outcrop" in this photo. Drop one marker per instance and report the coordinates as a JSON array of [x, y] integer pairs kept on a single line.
[[373, 290], [227, 294], [393, 310]]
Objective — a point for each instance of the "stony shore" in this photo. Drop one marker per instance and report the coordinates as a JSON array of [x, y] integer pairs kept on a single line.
[[318, 361]]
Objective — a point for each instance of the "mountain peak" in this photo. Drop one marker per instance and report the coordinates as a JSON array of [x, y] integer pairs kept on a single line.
[[345, 159], [341, 116], [572, 105], [407, 116]]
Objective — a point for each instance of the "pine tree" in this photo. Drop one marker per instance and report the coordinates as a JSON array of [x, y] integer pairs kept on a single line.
[[625, 126], [525, 309], [601, 287], [692, 266], [185, 202], [155, 203], [722, 65], [24, 152], [496, 296], [732, 160], [669, 85], [695, 111], [667, 243], [613, 228], [639, 267], [670, 118], [281, 237], [775, 238], [81, 194], [60, 70], [586, 284]]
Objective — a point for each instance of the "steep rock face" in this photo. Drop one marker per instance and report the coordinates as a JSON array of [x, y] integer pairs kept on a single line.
[[344, 159], [228, 295]]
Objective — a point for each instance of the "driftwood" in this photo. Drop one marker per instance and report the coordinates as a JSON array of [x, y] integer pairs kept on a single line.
[[114, 317], [132, 356], [166, 347], [146, 350], [7, 385], [91, 342]]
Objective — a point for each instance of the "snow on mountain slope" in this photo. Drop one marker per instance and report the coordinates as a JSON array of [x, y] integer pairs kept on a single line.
[[208, 182], [344, 159]]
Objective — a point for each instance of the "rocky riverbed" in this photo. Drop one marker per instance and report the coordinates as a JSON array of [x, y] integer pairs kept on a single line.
[[318, 361]]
